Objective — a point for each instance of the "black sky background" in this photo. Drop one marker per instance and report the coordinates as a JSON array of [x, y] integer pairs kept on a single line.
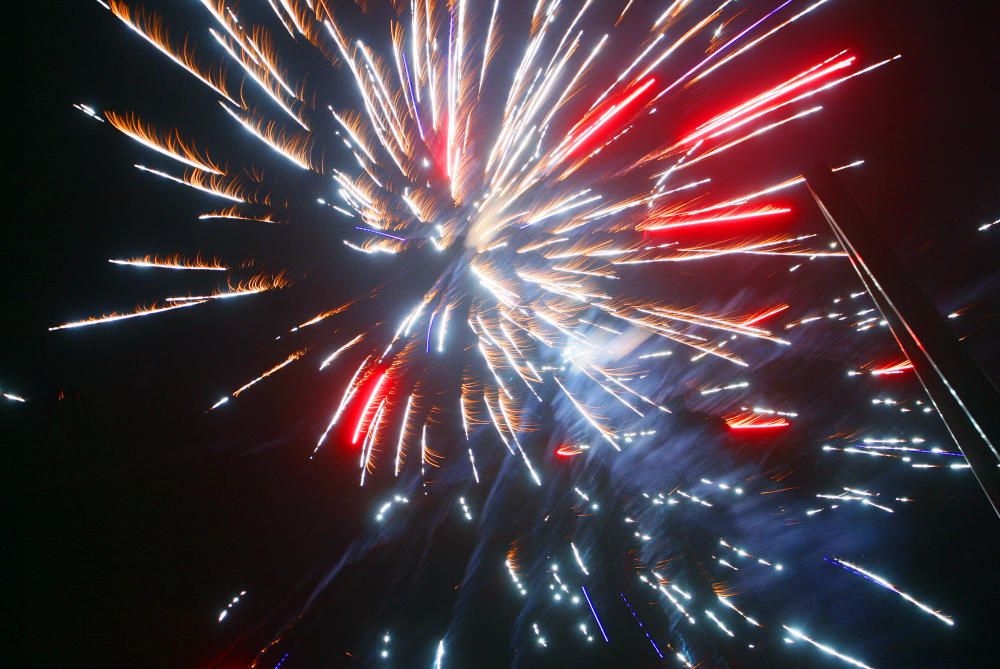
[[139, 517]]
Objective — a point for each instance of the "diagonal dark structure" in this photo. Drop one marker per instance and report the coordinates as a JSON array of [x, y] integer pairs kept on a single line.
[[962, 393]]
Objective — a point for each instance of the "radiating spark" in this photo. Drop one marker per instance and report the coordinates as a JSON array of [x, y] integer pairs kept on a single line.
[[172, 262], [336, 354], [798, 634], [113, 317], [875, 578], [597, 618], [281, 365]]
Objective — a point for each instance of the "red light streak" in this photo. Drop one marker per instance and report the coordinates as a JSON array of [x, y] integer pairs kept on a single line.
[[767, 210], [368, 405], [738, 115], [614, 110], [754, 422], [763, 315], [893, 368]]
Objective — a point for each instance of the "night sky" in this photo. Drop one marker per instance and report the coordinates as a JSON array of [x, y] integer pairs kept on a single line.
[[140, 515]]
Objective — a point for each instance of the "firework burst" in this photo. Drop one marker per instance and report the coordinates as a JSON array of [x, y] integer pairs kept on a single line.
[[495, 145]]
